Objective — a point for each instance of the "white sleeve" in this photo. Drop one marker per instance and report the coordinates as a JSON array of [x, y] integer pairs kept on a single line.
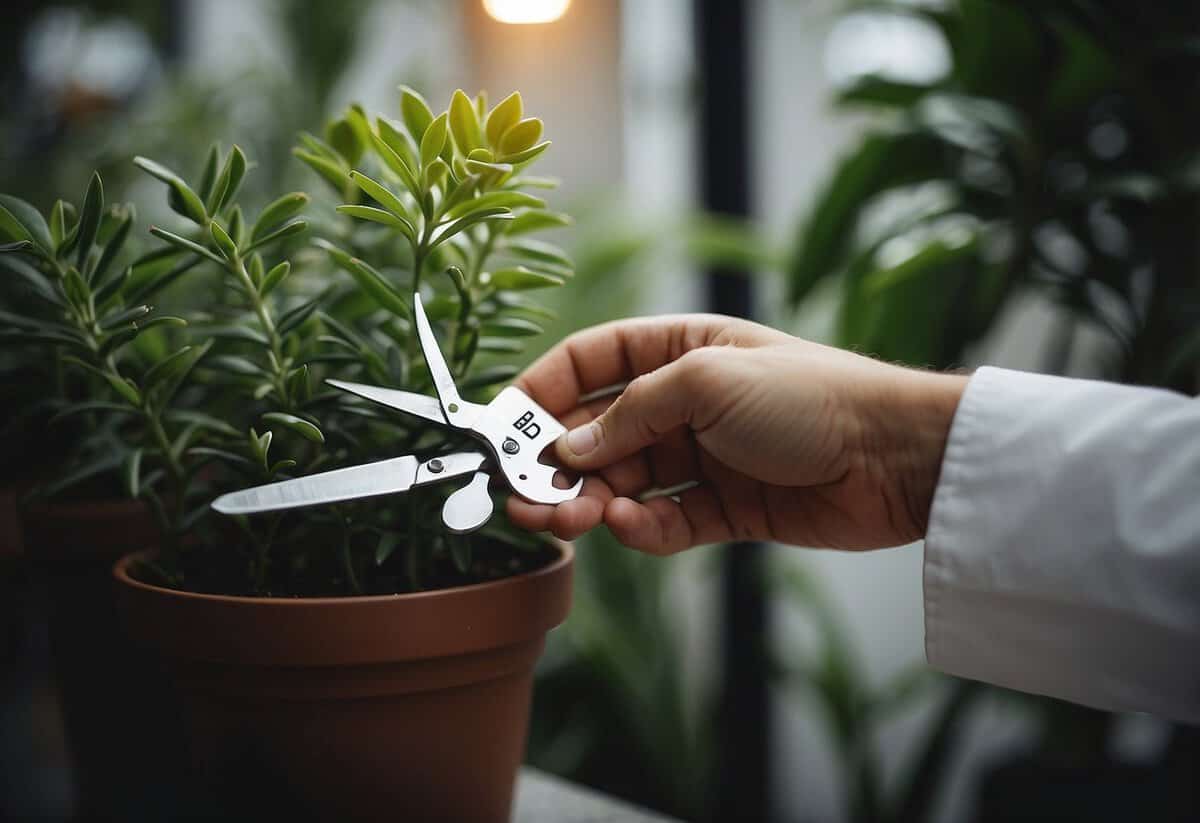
[[1063, 550]]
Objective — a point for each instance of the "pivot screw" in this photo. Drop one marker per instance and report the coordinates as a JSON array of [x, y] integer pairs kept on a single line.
[[510, 446], [436, 466]]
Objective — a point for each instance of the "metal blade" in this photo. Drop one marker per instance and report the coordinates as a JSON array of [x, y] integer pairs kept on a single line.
[[457, 412], [420, 405], [384, 477]]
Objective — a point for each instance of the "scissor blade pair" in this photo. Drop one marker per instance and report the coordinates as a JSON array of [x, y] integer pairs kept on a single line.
[[420, 405], [384, 477]]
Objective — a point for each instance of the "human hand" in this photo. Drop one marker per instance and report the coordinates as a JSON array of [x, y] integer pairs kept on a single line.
[[788, 440]]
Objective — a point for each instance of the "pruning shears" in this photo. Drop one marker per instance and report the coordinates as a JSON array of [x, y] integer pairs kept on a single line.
[[513, 429]]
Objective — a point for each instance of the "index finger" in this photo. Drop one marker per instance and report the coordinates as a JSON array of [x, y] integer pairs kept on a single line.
[[614, 353]]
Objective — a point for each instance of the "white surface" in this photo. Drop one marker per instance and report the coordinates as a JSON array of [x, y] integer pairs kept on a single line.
[[1063, 553]]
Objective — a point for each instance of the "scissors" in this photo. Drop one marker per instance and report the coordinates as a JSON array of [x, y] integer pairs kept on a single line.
[[513, 428]]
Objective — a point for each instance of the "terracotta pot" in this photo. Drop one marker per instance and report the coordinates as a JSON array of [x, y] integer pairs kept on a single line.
[[401, 707], [122, 725]]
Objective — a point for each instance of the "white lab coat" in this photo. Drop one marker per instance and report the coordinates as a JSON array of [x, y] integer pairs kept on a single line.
[[1063, 549]]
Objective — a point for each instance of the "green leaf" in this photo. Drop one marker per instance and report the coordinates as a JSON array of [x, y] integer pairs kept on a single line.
[[163, 320], [295, 424], [464, 123], [536, 220], [517, 158], [208, 177], [274, 277], [519, 278], [237, 228], [166, 368], [385, 218], [520, 137], [223, 240], [153, 278], [434, 140], [90, 406], [166, 376], [180, 197], [285, 208], [132, 472], [506, 199], [369, 280], [500, 345], [238, 365], [21, 221], [541, 252], [511, 327], [205, 421], [124, 316], [502, 118], [485, 167], [228, 182], [397, 140], [491, 376], [396, 163], [446, 231], [333, 174], [112, 248], [294, 317], [874, 90], [124, 387], [388, 541], [415, 111], [186, 245], [58, 224], [20, 245], [345, 140], [289, 230], [383, 196], [89, 219]]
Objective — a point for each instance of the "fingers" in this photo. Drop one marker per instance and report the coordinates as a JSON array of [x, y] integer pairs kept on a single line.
[[650, 407], [665, 526], [568, 520], [615, 353]]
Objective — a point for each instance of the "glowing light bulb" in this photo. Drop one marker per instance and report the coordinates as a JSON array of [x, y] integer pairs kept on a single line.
[[526, 11]]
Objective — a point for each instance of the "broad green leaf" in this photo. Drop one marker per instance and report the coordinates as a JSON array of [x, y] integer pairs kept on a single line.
[[285, 208], [463, 190], [186, 245], [484, 167], [435, 173], [274, 277], [520, 136], [224, 242], [434, 140], [237, 226], [132, 472], [506, 199], [415, 111], [180, 197], [289, 230], [519, 278], [446, 231], [881, 161], [299, 425], [464, 123], [502, 118]]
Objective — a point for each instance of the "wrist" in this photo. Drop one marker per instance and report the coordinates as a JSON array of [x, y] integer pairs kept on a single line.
[[913, 419]]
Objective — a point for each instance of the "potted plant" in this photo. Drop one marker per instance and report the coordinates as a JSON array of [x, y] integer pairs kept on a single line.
[[357, 657]]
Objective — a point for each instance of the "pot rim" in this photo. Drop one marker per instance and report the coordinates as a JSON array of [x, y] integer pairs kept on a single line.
[[120, 571]]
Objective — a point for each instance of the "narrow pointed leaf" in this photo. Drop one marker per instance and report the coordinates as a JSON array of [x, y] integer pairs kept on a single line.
[[277, 212], [299, 425]]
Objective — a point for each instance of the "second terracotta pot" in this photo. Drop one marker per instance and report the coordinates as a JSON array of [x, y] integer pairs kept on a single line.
[[403, 707]]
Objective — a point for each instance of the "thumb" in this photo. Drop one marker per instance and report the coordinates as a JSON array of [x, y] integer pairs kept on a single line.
[[649, 407]]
